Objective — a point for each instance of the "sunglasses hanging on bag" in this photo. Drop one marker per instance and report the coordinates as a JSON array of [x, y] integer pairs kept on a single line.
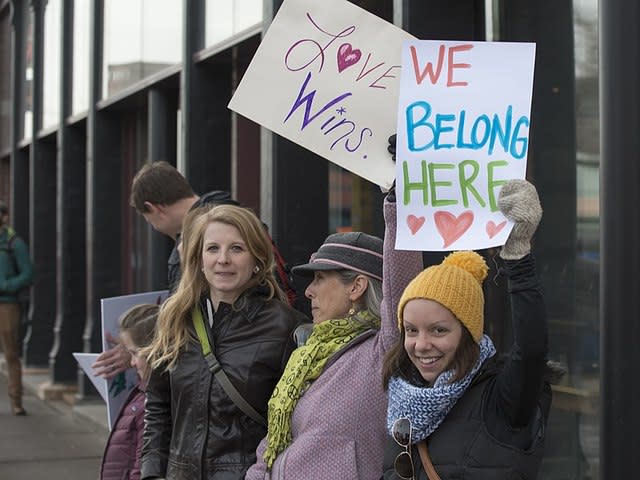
[[403, 464]]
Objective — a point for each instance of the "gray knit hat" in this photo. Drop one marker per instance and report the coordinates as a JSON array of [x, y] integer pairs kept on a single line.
[[355, 251]]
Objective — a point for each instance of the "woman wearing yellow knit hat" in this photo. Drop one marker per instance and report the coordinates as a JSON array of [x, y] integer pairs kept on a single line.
[[455, 410]]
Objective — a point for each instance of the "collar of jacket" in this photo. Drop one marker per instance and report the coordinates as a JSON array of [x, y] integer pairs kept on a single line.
[[248, 304]]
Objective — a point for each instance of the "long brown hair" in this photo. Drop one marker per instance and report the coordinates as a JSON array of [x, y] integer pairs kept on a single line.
[[175, 315], [396, 361], [139, 323]]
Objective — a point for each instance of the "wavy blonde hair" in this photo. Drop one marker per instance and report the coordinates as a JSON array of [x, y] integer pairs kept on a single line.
[[172, 333]]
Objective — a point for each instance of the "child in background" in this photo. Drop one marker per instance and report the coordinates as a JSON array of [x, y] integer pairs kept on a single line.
[[121, 459]]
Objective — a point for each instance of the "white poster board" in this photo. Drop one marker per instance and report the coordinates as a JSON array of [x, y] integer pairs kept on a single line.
[[85, 360], [118, 388], [463, 130], [326, 76]]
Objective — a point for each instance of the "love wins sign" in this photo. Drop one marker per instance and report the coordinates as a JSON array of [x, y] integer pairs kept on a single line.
[[463, 130], [326, 76]]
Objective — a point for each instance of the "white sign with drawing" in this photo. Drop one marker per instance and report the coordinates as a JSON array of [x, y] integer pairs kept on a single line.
[[118, 388], [85, 360], [326, 76]]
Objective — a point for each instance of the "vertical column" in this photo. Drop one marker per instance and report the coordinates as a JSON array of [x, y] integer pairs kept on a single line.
[[162, 146], [19, 162], [620, 258], [42, 220], [205, 91], [103, 205], [70, 231]]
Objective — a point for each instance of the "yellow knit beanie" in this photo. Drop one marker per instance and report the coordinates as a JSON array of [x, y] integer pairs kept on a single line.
[[455, 284]]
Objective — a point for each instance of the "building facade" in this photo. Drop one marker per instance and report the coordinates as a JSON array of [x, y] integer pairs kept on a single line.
[[93, 89]]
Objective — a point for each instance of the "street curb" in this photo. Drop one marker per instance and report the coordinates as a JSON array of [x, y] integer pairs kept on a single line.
[[37, 382]]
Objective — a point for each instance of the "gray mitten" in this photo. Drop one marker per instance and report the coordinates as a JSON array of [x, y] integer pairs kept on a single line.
[[519, 202]]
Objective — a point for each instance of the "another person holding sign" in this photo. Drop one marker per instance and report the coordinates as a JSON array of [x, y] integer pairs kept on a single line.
[[480, 417], [164, 197], [222, 341], [326, 415], [121, 458]]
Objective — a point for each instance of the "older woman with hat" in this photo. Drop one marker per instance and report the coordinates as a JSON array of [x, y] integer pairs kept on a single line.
[[326, 414]]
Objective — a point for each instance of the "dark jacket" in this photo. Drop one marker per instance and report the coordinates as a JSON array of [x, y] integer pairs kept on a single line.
[[496, 429], [193, 430], [16, 271], [121, 458]]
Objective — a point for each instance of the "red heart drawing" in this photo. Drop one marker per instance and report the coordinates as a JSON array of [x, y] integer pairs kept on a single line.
[[347, 56], [493, 229], [415, 223], [451, 227]]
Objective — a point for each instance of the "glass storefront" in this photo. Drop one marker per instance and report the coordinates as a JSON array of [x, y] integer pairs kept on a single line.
[[225, 18], [81, 43], [28, 77], [51, 84], [584, 371], [140, 39], [144, 37], [5, 82]]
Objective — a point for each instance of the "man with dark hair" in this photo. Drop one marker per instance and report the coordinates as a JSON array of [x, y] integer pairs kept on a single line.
[[161, 194], [16, 273], [163, 197]]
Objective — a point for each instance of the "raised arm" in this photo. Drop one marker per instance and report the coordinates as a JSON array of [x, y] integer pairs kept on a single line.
[[398, 269], [520, 382]]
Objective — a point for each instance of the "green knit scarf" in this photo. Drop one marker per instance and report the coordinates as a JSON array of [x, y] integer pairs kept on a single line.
[[305, 365]]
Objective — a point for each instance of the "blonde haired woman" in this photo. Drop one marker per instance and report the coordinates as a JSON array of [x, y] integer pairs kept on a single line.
[[195, 428]]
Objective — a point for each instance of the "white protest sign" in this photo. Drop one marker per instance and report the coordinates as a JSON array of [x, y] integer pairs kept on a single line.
[[463, 130], [85, 360], [118, 388], [326, 76]]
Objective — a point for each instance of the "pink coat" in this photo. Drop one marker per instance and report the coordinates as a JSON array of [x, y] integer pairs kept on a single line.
[[121, 458], [339, 424]]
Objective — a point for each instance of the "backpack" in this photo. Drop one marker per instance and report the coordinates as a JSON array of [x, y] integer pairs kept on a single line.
[[24, 294], [284, 277]]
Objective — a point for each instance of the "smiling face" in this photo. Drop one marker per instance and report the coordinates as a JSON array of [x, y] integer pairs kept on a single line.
[[330, 297], [227, 263], [137, 362], [432, 336]]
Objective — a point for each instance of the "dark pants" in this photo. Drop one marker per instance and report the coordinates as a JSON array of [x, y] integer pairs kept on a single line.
[[10, 341]]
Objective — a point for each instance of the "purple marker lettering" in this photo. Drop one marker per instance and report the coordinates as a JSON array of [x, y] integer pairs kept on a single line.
[[362, 132], [307, 100], [320, 49], [328, 122], [374, 84], [366, 62], [349, 123]]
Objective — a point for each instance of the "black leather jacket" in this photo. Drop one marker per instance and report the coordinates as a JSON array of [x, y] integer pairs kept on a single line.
[[193, 430]]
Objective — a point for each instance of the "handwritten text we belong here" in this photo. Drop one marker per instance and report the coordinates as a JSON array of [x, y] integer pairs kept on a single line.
[[486, 134]]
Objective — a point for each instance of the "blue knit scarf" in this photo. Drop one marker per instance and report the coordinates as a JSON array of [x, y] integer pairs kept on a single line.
[[427, 407]]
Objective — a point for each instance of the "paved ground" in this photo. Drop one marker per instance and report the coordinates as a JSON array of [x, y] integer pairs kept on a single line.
[[54, 442]]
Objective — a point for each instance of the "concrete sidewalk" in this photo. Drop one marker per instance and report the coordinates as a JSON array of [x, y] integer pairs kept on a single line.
[[55, 440]]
